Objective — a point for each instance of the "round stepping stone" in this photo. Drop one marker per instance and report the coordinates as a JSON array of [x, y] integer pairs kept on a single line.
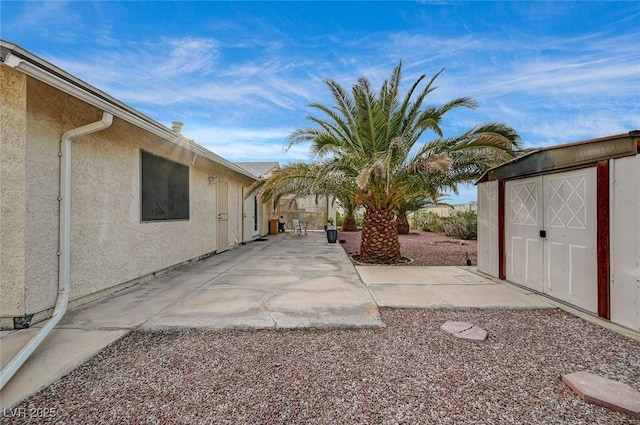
[[604, 392], [465, 330]]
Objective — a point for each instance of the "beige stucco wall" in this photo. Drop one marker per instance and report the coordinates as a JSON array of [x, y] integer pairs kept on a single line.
[[109, 244], [249, 211], [13, 104]]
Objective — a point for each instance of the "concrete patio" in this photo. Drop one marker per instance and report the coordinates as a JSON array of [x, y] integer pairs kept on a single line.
[[282, 282]]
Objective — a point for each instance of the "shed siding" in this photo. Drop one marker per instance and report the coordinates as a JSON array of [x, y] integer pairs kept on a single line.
[[625, 248], [617, 234], [488, 228]]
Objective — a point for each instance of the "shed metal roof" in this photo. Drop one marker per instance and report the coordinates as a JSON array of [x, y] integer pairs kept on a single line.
[[554, 158]]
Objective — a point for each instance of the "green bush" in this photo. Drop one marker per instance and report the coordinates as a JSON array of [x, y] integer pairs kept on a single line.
[[427, 221], [339, 219], [461, 225]]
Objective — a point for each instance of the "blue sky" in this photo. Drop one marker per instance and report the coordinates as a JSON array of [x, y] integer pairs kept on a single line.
[[240, 75]]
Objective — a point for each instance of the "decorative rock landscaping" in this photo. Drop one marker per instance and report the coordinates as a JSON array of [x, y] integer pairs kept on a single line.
[[410, 372]]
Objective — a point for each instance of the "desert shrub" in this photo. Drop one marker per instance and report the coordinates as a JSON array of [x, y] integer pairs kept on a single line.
[[430, 222], [461, 225], [339, 219], [415, 220]]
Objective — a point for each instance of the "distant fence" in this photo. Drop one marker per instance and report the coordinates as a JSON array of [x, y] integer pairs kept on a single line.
[[446, 211]]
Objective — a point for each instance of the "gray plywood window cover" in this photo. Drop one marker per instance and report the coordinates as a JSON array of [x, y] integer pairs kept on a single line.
[[165, 189]]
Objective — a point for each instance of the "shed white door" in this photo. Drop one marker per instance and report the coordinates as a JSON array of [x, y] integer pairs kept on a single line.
[[572, 236], [562, 263], [524, 220], [222, 199]]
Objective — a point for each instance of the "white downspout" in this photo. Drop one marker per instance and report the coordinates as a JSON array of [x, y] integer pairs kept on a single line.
[[65, 245]]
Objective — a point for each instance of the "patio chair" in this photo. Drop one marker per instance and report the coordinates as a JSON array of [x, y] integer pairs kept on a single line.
[[296, 228]]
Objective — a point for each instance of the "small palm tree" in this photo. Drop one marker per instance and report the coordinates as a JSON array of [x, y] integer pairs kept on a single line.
[[349, 204], [375, 139], [408, 206]]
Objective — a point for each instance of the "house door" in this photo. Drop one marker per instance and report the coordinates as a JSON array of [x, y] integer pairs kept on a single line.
[[551, 236], [222, 199], [256, 217]]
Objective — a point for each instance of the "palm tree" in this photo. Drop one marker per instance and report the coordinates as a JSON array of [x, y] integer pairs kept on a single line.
[[408, 206], [301, 179], [376, 140], [350, 206]]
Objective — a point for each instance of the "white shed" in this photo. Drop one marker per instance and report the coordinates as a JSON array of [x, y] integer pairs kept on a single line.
[[565, 221]]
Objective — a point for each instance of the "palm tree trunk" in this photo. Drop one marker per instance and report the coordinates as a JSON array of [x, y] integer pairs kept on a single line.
[[349, 224], [380, 242], [403, 224]]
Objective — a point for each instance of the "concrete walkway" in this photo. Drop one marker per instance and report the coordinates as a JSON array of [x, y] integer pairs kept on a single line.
[[443, 287], [283, 282]]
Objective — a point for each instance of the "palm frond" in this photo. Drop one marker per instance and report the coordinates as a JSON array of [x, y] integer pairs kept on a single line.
[[373, 148]]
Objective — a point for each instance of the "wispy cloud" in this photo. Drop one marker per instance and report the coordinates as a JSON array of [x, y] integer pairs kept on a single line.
[[583, 126], [241, 75], [236, 143], [178, 72]]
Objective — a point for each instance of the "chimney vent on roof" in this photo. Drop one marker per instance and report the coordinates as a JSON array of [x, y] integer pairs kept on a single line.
[[176, 126]]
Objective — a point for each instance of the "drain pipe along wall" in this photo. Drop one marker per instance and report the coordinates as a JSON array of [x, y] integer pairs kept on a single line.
[[64, 253]]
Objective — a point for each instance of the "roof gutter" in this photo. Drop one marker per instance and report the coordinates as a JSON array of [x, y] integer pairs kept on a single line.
[[35, 67], [64, 253]]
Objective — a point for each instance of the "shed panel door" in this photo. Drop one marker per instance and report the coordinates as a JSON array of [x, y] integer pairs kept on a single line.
[[571, 244], [523, 222], [222, 199]]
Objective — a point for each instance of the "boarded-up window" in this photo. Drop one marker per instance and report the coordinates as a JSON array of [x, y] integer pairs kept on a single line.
[[165, 189]]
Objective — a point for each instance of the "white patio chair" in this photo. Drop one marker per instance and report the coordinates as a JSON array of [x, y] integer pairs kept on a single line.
[[296, 229]]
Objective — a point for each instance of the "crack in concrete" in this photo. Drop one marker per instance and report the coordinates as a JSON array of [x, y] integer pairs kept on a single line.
[[464, 330]]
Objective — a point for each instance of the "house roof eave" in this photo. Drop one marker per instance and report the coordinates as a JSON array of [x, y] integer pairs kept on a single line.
[[36, 67]]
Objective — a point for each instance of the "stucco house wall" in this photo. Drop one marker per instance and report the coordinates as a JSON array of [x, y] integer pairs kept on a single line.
[[254, 205], [13, 128], [110, 246]]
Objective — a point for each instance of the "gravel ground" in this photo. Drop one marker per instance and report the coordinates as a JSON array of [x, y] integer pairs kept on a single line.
[[409, 372], [423, 248]]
